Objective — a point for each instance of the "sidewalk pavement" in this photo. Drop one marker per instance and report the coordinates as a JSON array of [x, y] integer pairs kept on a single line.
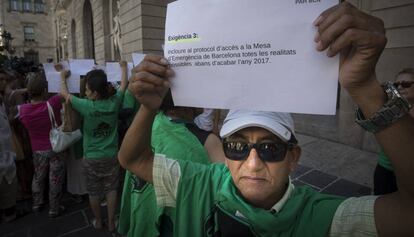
[[326, 166], [334, 168]]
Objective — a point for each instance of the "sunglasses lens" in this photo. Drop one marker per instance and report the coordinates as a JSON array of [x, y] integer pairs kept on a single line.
[[235, 150], [269, 152], [272, 152]]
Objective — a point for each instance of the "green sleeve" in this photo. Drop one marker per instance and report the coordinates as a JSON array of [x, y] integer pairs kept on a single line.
[[119, 97], [129, 101], [81, 105], [384, 161]]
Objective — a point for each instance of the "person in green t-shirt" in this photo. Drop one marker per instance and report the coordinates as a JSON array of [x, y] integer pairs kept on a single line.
[[384, 178], [100, 139], [175, 136], [251, 194]]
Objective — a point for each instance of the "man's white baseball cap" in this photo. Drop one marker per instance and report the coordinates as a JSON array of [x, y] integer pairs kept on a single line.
[[280, 124]]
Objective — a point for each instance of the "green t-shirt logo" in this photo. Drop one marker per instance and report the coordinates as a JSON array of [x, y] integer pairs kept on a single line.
[[138, 185], [102, 130]]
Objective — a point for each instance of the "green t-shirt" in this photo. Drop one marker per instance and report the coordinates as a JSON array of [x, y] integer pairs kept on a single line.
[[204, 191], [130, 102], [139, 214], [100, 125], [384, 161]]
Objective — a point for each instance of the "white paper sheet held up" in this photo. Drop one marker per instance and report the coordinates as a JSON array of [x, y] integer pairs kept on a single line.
[[53, 77], [250, 55], [78, 68], [137, 58], [114, 71]]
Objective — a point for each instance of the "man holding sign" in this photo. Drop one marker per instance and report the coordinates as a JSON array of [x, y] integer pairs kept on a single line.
[[252, 195]]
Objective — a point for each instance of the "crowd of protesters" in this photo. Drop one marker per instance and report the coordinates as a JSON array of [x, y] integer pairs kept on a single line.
[[104, 111], [30, 169], [171, 187]]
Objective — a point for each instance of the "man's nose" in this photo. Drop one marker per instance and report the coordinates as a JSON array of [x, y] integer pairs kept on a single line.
[[253, 161]]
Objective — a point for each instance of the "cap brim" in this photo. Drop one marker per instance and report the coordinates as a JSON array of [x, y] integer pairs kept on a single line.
[[233, 126]]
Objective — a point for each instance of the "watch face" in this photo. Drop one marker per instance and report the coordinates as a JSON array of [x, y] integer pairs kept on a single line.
[[396, 97]]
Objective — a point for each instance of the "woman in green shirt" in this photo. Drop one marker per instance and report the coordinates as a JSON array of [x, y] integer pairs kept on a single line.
[[100, 139]]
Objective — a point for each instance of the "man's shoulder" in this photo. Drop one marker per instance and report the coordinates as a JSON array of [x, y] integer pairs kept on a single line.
[[313, 199], [213, 168], [355, 215], [190, 170]]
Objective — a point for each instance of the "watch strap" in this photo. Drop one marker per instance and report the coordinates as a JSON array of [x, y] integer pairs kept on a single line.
[[394, 108]]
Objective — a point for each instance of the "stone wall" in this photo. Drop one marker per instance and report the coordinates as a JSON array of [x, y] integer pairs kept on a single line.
[[44, 42], [142, 27]]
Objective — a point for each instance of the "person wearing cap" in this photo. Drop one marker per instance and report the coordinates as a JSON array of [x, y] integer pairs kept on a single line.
[[251, 194]]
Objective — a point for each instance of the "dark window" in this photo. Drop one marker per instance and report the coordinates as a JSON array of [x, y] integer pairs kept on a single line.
[[27, 5], [39, 6], [29, 34], [32, 56], [14, 5]]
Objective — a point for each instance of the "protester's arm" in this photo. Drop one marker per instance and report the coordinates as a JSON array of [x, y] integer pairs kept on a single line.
[[83, 106], [149, 84], [18, 92], [360, 39], [64, 92], [124, 77], [214, 148]]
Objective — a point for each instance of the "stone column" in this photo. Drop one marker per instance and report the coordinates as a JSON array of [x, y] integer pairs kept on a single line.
[[143, 23]]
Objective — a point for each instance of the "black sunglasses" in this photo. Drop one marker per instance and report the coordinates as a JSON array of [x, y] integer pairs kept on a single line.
[[404, 84], [267, 151]]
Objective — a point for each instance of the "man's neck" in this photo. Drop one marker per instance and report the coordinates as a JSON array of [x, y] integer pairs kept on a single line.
[[272, 201], [277, 197]]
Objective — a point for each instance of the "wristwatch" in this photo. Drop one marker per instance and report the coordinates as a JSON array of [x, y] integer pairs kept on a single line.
[[394, 108]]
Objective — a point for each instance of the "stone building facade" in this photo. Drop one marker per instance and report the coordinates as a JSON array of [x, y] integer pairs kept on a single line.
[[142, 30], [30, 24]]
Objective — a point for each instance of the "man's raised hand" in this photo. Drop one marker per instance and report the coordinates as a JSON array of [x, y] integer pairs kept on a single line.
[[150, 81]]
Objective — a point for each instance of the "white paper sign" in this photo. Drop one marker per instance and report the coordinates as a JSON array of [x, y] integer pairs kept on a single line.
[[114, 71], [137, 58], [78, 68], [53, 76], [244, 54], [81, 66]]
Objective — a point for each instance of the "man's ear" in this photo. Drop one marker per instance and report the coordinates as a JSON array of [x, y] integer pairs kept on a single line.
[[294, 156], [225, 162]]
